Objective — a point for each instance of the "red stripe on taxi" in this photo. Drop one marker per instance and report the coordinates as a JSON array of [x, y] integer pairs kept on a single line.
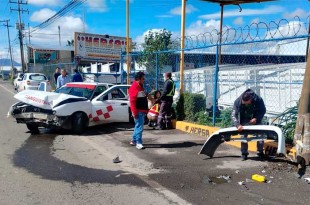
[[91, 87]]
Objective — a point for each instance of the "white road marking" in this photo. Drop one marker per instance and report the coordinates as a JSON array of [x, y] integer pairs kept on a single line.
[[7, 89], [125, 166]]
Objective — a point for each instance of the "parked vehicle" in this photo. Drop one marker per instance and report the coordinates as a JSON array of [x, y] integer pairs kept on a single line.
[[31, 81], [5, 74], [18, 79], [74, 106]]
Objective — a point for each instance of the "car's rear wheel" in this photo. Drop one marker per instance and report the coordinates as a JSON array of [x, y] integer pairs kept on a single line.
[[33, 128], [79, 123]]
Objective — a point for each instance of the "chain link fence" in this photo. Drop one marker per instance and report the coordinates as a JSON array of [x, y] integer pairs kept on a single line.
[[273, 68]]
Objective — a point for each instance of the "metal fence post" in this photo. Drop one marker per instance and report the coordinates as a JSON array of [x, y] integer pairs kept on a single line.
[[122, 71], [215, 84], [156, 57], [279, 90]]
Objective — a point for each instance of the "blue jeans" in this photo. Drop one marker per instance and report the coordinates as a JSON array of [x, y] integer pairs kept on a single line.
[[139, 124]]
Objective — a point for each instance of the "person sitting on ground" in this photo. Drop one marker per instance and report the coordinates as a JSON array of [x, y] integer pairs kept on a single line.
[[153, 113]]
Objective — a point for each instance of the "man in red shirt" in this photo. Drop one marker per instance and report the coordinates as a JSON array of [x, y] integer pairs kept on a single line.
[[139, 108]]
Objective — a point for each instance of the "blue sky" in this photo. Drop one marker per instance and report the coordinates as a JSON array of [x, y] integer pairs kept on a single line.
[[109, 17]]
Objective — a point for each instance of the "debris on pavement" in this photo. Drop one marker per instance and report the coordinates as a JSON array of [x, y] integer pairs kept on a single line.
[[116, 160], [237, 171], [258, 178], [241, 183], [307, 180]]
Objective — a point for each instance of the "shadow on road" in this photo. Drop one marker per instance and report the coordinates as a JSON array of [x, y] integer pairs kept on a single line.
[[173, 145], [35, 155]]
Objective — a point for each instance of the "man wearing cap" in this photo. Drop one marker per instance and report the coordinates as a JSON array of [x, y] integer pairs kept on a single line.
[[166, 99], [249, 109]]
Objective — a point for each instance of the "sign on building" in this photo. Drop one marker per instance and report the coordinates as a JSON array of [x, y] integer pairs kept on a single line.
[[103, 47]]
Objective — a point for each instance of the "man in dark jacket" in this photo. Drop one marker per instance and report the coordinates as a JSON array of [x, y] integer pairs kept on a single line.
[[77, 77], [166, 100], [248, 109], [56, 74]]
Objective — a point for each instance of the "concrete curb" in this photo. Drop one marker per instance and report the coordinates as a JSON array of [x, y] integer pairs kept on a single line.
[[270, 146]]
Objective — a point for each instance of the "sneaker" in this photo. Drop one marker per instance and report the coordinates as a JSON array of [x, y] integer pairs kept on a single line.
[[139, 146], [133, 143], [244, 157]]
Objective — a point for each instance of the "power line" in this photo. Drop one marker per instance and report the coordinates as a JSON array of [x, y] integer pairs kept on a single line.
[[67, 8]]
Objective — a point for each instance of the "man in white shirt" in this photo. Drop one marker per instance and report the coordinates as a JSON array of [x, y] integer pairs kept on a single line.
[[63, 78]]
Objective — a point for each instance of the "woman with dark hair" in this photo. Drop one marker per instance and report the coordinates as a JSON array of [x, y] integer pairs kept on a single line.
[[153, 113]]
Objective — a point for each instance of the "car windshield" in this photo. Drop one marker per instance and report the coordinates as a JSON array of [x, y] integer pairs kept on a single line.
[[37, 77], [79, 92]]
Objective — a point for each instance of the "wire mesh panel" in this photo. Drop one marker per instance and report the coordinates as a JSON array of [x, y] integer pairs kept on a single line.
[[269, 58]]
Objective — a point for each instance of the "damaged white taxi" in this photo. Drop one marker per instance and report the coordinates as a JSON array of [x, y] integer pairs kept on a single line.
[[74, 106]]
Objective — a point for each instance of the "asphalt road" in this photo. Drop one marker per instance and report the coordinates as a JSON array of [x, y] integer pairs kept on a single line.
[[61, 168]]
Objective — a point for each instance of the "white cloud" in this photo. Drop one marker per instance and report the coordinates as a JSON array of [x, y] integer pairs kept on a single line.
[[45, 2], [298, 12], [164, 16], [178, 10], [245, 12], [49, 35], [97, 5], [42, 15], [15, 54], [200, 27], [238, 21]]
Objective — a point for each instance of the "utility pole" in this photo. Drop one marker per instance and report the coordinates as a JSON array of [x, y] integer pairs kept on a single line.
[[29, 34], [59, 35], [20, 28], [10, 50], [84, 30]]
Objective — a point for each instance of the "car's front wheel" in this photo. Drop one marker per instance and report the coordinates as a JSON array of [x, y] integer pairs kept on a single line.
[[33, 128], [79, 123]]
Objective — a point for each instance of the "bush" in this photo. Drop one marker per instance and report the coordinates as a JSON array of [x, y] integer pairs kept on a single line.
[[193, 103], [189, 105], [202, 118], [225, 118], [180, 108]]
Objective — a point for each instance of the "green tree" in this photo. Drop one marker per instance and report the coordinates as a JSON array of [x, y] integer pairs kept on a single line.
[[155, 41]]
